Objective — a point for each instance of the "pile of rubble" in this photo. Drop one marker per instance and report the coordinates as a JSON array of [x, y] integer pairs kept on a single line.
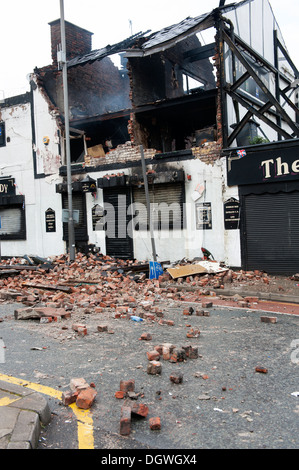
[[97, 282], [56, 289]]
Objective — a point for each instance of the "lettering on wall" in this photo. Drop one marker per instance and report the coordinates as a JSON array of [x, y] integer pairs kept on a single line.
[[7, 187], [273, 168], [267, 166]]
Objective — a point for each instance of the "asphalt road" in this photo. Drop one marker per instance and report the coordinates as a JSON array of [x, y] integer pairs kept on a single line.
[[222, 403]]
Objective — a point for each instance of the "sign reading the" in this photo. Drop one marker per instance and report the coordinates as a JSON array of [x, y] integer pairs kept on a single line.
[[267, 166]]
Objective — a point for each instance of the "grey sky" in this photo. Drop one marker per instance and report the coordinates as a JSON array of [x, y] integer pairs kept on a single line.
[[25, 33]]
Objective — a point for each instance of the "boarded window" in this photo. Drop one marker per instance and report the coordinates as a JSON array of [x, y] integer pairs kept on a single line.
[[167, 207]]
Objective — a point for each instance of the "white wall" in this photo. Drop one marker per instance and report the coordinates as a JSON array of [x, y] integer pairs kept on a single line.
[[16, 160], [174, 245]]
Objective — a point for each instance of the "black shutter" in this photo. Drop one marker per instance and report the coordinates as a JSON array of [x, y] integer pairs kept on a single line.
[[272, 232], [79, 203], [119, 242]]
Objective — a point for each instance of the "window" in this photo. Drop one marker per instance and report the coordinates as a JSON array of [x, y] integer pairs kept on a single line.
[[167, 207], [12, 218], [2, 134]]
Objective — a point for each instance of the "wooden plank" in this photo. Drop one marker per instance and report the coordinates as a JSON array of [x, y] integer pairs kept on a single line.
[[188, 270], [66, 289]]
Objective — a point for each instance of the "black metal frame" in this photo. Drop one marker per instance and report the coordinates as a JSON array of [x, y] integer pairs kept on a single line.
[[237, 47]]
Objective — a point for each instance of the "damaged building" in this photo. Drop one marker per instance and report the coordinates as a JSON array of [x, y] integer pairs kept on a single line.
[[211, 104]]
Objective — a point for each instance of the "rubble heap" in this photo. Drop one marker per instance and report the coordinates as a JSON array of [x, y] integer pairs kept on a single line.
[[96, 282]]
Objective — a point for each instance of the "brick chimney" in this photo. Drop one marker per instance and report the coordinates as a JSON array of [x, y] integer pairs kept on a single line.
[[78, 40]]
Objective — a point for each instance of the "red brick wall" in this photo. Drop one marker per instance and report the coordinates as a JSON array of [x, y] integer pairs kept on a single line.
[[78, 40]]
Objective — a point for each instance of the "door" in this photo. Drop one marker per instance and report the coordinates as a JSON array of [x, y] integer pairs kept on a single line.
[[119, 242], [271, 232], [79, 203]]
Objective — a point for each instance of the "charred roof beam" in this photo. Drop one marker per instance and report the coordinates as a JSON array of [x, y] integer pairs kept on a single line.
[[200, 53]]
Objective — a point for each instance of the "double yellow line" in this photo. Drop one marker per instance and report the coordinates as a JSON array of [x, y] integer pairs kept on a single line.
[[84, 418]]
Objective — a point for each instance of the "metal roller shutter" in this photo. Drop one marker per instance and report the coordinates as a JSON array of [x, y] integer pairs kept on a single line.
[[78, 202], [119, 242], [11, 220], [272, 232], [166, 203]]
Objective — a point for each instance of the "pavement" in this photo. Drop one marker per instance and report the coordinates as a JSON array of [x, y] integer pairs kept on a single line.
[[23, 412]]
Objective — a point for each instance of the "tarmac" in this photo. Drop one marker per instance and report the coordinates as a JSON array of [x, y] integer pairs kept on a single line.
[[23, 412]]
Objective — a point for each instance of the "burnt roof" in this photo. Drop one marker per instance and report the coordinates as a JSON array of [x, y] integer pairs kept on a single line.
[[157, 41]]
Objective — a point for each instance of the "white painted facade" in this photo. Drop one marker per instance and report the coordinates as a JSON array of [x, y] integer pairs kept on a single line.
[[40, 195], [32, 156]]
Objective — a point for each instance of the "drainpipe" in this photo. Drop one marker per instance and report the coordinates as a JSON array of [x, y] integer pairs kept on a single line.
[[71, 230]]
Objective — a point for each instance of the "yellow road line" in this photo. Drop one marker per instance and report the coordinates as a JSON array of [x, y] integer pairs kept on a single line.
[[84, 418], [85, 427], [5, 401]]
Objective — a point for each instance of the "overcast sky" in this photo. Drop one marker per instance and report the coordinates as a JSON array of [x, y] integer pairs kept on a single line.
[[25, 32]]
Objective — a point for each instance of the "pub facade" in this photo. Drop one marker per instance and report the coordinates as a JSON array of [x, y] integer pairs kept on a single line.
[[216, 122]]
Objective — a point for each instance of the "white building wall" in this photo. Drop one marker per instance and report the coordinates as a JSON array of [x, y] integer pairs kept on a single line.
[[175, 245], [17, 161]]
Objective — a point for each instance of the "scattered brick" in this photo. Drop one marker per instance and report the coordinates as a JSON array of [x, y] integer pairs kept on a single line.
[[125, 421], [77, 384], [269, 319], [178, 355], [191, 351], [102, 328], [154, 368], [127, 385], [263, 370], [155, 424], [176, 378], [146, 337], [69, 397], [120, 394], [188, 311], [86, 398], [139, 410], [80, 328], [193, 333], [153, 355]]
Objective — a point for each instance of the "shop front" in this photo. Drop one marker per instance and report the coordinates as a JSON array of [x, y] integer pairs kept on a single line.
[[268, 180]]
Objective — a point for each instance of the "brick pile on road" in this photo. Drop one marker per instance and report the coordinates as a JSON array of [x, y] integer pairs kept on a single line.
[[96, 282]]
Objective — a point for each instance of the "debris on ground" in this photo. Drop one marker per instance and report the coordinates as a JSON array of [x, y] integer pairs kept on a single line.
[[97, 281], [55, 290], [81, 393]]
